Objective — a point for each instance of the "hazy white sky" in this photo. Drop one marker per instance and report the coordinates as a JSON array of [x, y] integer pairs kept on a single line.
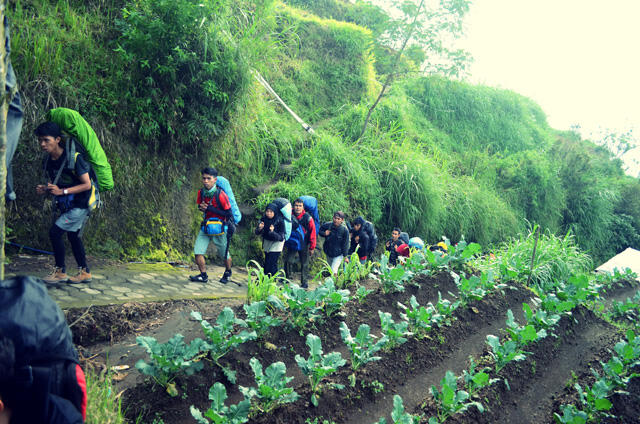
[[578, 59]]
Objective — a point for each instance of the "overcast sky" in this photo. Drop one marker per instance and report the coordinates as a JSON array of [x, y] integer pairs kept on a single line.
[[578, 59]]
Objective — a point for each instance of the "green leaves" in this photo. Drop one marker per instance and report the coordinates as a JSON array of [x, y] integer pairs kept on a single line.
[[219, 413], [271, 389], [450, 400], [504, 353], [362, 347], [169, 359], [318, 366], [398, 415]]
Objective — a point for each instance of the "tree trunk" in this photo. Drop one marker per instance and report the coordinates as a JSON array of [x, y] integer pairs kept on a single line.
[[389, 78], [3, 134]]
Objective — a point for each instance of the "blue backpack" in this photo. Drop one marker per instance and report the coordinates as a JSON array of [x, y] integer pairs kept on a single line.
[[311, 207], [296, 239], [224, 185]]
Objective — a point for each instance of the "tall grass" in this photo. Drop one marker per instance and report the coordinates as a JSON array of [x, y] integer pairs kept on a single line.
[[556, 258], [103, 403]]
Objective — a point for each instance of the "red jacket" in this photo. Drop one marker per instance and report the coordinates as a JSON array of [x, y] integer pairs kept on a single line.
[[311, 231], [211, 201]]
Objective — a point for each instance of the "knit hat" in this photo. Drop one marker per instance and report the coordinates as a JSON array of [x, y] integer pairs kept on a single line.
[[272, 206]]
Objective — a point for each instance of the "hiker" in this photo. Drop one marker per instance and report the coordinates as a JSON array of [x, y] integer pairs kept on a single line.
[[214, 203], [40, 378], [308, 244], [26, 406], [336, 244], [359, 240], [392, 244], [271, 228], [71, 188]]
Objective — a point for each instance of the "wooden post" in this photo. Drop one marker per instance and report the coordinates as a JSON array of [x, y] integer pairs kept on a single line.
[[4, 107]]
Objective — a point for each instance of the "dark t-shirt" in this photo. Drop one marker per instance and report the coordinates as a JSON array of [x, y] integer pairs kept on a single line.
[[69, 178]]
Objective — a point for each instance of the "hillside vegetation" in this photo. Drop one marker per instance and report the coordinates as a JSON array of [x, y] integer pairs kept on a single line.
[[169, 87]]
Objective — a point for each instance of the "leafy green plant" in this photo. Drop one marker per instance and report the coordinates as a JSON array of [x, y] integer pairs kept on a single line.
[[168, 360], [398, 415], [318, 366], [541, 319], [629, 309], [476, 380], [260, 285], [392, 278], [420, 318], [271, 389], [594, 398], [352, 272], [450, 400], [446, 307], [362, 292], [221, 337], [362, 347], [570, 415], [523, 335], [333, 299], [395, 333], [461, 253], [218, 413], [304, 306], [502, 354], [258, 318]]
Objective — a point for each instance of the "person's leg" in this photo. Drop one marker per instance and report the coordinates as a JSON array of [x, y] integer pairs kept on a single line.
[[202, 265], [222, 248], [335, 263], [77, 247], [199, 250], [84, 275], [271, 263], [287, 260], [59, 272], [303, 254]]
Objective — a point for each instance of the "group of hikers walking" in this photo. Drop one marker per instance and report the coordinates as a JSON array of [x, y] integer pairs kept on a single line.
[[292, 229]]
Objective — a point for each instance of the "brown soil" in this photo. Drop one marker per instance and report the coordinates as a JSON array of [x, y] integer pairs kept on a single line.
[[537, 385]]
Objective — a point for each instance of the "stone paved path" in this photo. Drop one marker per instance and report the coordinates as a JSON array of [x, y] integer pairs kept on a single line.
[[143, 282]]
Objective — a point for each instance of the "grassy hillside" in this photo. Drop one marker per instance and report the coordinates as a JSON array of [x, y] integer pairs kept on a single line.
[[169, 87]]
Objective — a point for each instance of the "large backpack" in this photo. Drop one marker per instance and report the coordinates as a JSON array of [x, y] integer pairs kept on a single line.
[[81, 132], [404, 237], [284, 209], [311, 206], [373, 237], [296, 239], [46, 360], [224, 185]]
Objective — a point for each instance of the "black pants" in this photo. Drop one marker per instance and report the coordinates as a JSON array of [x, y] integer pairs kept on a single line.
[[271, 263], [303, 255], [55, 234]]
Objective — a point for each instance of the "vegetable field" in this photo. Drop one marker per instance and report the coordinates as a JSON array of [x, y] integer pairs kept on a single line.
[[443, 338]]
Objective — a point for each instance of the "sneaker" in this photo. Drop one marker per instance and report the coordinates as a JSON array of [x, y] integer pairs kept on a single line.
[[56, 276], [83, 276], [200, 278], [226, 276]]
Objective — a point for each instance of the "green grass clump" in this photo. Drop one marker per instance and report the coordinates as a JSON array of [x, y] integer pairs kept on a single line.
[[556, 259], [103, 403]]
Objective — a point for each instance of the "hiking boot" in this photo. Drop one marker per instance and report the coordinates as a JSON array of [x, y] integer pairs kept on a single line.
[[226, 276], [304, 285], [83, 276], [200, 278], [56, 276]]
